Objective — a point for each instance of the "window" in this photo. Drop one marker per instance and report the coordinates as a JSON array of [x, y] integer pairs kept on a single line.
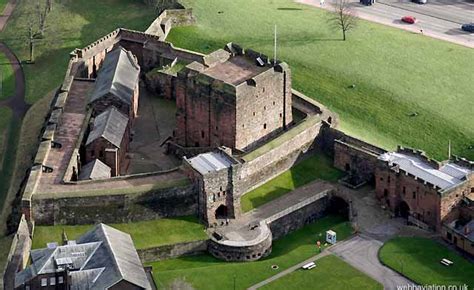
[[101, 154], [264, 107], [44, 282], [217, 128], [404, 190], [60, 280], [265, 126], [254, 113], [52, 281], [274, 103], [472, 189], [281, 115], [202, 134], [449, 236], [414, 194]]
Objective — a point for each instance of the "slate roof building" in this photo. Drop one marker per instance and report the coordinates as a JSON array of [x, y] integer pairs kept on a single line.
[[218, 200], [95, 170], [421, 189], [117, 83], [108, 140], [103, 258]]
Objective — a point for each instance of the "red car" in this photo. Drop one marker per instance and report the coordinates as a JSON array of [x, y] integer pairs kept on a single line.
[[409, 19]]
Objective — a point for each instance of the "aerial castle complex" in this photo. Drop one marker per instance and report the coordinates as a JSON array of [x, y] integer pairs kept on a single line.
[[232, 122]]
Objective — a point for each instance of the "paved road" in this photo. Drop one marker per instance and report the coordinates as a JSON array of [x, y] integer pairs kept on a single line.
[[362, 252], [439, 18], [16, 102]]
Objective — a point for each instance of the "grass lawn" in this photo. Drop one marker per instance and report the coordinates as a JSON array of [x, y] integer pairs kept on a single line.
[[3, 4], [7, 77], [5, 120], [315, 167], [145, 234], [330, 273], [70, 25], [206, 272], [395, 72], [418, 259]]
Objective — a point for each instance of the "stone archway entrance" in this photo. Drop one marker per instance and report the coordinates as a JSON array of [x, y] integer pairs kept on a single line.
[[221, 212], [403, 210], [339, 206]]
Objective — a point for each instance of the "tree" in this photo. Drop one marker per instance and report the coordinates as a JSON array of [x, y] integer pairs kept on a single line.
[[344, 17]]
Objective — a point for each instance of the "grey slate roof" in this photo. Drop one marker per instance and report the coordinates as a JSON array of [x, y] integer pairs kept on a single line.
[[100, 258], [445, 177], [111, 125], [95, 170], [209, 162], [118, 76]]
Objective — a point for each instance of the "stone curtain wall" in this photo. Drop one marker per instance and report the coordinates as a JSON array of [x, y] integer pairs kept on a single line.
[[279, 159], [297, 217], [115, 207], [19, 254], [172, 251]]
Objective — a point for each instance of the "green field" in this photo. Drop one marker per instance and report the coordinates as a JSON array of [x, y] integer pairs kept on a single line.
[[206, 272], [318, 166], [145, 234], [330, 273], [5, 119], [395, 72], [70, 25], [3, 3], [7, 78], [419, 260]]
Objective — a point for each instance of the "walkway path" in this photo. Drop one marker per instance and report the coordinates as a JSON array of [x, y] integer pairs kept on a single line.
[[16, 102], [361, 251], [7, 12], [289, 270]]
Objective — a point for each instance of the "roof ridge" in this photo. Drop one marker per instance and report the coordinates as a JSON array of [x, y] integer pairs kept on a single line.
[[107, 241]]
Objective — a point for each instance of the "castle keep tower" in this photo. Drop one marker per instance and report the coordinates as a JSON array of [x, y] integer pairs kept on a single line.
[[236, 99]]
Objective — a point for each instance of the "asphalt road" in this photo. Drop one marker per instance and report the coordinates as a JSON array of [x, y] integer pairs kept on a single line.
[[440, 19], [362, 253]]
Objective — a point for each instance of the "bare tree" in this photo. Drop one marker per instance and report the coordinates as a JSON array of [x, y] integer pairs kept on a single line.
[[344, 17]]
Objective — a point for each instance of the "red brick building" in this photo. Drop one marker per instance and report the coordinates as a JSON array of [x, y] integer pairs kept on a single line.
[[109, 140], [235, 98], [117, 84], [421, 189]]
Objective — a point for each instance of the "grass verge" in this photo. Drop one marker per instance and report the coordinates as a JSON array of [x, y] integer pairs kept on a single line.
[[318, 166], [7, 77], [419, 259], [207, 272]]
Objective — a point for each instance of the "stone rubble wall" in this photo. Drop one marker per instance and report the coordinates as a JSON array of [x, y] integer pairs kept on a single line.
[[172, 251]]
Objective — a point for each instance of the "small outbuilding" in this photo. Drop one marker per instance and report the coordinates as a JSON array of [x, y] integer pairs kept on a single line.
[[108, 140]]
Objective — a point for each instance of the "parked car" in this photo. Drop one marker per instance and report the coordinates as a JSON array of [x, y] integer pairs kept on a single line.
[[409, 19], [420, 1], [469, 27]]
